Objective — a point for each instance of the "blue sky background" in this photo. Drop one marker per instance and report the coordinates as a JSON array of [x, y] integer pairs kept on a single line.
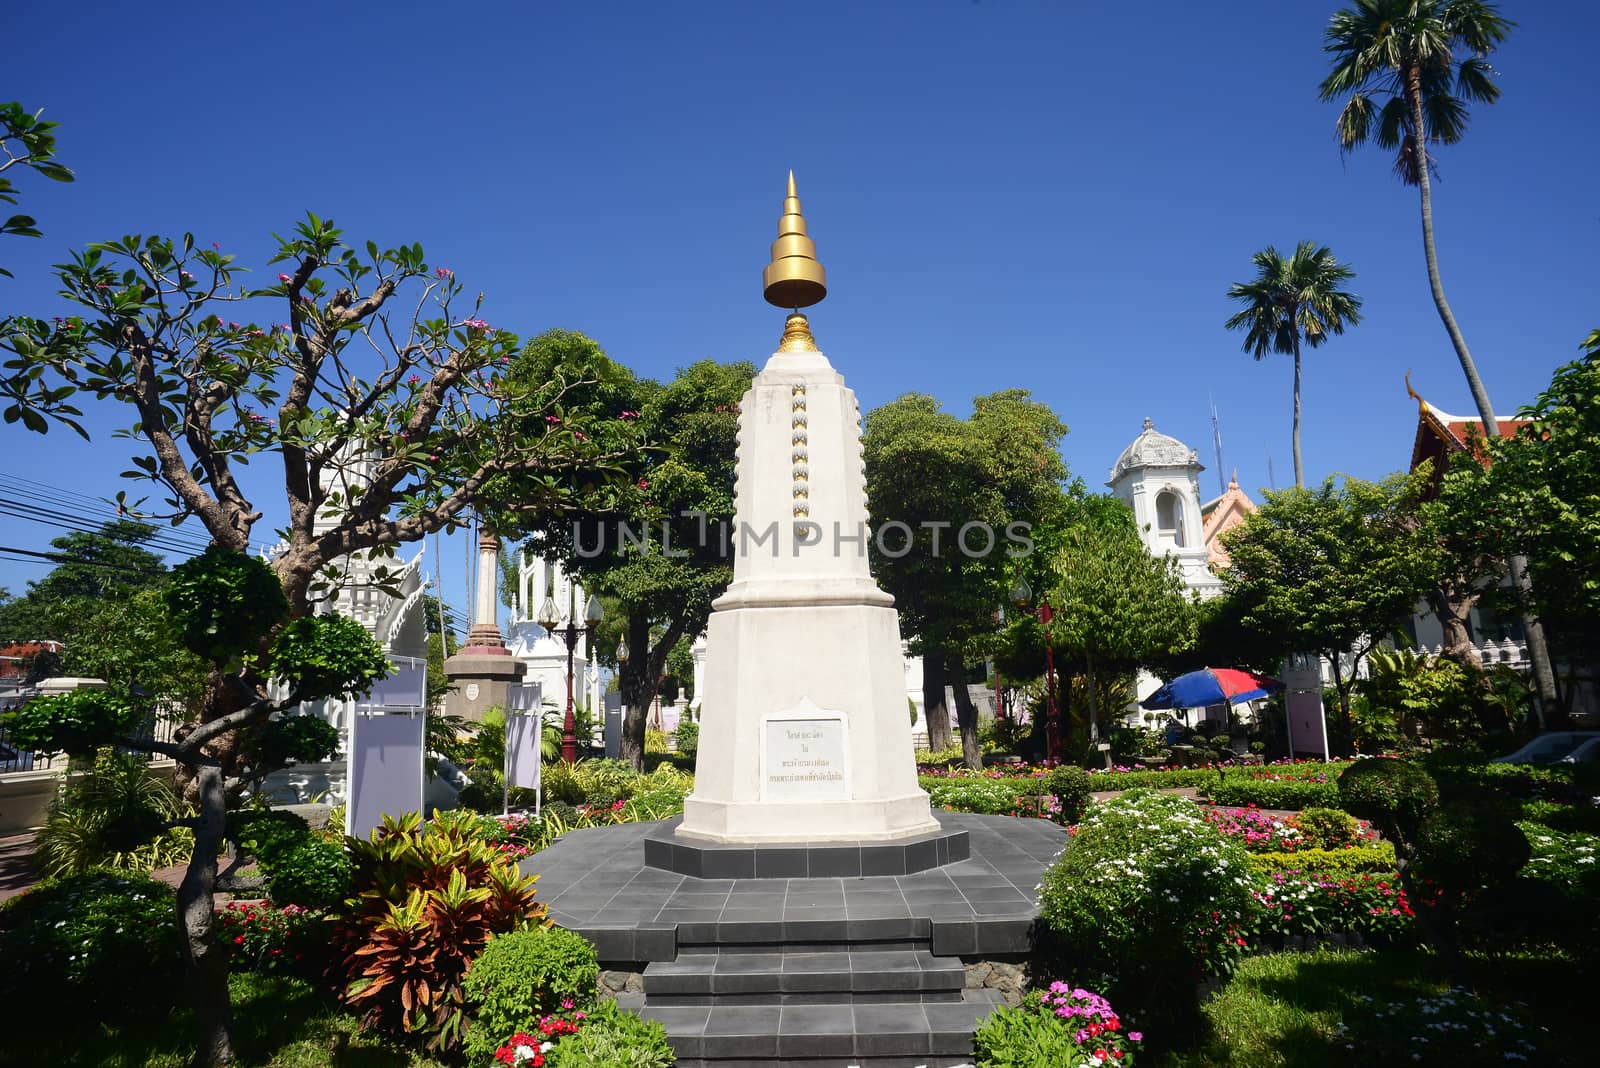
[[1051, 196]]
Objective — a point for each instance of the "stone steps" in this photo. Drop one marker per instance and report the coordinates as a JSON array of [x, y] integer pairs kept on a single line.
[[869, 1034], [788, 975]]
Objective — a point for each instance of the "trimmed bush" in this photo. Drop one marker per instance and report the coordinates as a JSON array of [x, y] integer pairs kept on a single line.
[[1394, 795], [688, 737], [1465, 849], [314, 873], [613, 1038], [1147, 897], [1272, 793], [522, 976], [1071, 786], [1371, 859], [266, 833], [100, 945], [1327, 828]]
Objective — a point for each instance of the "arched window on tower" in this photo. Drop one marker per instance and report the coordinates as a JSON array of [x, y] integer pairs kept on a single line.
[[1169, 517]]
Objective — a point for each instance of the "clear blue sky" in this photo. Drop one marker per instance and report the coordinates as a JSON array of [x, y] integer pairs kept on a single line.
[[1052, 196]]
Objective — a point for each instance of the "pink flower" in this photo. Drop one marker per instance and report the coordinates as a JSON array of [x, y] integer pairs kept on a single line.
[[284, 279], [644, 484], [1136, 1036], [216, 246], [443, 272]]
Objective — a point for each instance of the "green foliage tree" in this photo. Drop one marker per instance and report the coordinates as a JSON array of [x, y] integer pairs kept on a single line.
[[1541, 493], [937, 474], [662, 557], [1293, 299], [28, 141], [1115, 607], [92, 567], [391, 417], [1331, 570]]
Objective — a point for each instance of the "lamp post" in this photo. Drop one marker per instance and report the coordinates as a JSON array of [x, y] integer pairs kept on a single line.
[[549, 617], [1021, 595]]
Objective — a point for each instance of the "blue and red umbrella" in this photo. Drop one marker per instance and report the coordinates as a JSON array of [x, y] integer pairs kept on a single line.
[[1211, 686]]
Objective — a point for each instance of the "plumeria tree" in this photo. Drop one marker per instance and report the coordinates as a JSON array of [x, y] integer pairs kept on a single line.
[[375, 384]]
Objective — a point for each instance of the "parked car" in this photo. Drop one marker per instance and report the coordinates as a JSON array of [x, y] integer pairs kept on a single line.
[[1558, 747]]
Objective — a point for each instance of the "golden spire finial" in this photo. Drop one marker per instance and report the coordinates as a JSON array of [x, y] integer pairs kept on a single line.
[[794, 278]]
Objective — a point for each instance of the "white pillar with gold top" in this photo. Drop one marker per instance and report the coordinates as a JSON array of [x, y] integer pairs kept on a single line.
[[804, 732]]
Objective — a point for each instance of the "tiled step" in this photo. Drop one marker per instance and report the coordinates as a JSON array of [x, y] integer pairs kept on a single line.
[[879, 1034], [857, 974]]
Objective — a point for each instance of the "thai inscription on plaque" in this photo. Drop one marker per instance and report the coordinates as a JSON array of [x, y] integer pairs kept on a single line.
[[805, 760]]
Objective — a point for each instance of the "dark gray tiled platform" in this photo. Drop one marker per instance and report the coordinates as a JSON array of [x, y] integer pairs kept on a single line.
[[596, 882], [807, 972], [664, 848]]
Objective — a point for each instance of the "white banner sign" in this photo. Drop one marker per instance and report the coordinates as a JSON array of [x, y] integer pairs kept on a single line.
[[385, 770], [523, 763]]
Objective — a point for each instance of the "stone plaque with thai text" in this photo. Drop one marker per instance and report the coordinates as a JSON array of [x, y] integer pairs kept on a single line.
[[805, 760]]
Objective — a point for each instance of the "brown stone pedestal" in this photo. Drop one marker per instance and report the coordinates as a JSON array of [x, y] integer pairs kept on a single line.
[[479, 676]]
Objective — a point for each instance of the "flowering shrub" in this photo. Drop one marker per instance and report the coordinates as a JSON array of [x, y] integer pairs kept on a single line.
[[1298, 903], [522, 977], [1257, 831], [1063, 1027], [1148, 897], [612, 1038], [262, 938], [100, 945], [986, 796], [523, 1048], [1570, 861], [1329, 828]]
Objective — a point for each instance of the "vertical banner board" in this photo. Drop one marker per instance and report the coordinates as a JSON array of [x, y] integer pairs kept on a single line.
[[406, 686], [1302, 705], [613, 729], [385, 770], [522, 749]]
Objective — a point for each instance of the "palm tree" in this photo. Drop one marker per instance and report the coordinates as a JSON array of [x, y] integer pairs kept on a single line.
[[1425, 60], [1290, 300], [1398, 62]]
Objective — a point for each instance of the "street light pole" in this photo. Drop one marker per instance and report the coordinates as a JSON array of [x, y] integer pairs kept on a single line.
[[1021, 595], [549, 616]]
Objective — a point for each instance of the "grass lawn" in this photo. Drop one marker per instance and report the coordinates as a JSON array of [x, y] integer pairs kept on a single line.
[[279, 1022], [1331, 1008]]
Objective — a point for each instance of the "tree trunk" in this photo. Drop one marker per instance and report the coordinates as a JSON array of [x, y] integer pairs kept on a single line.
[[1538, 651], [966, 715], [1454, 610], [638, 682], [206, 962], [1299, 468], [934, 709], [1342, 687], [1094, 704]]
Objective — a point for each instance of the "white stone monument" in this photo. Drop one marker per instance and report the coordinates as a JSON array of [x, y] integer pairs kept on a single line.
[[804, 735]]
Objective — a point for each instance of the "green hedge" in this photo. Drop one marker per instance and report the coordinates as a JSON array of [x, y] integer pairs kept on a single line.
[[1273, 793], [993, 797], [1357, 859]]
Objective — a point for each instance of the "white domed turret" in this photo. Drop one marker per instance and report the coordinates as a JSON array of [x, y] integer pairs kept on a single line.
[[1158, 476]]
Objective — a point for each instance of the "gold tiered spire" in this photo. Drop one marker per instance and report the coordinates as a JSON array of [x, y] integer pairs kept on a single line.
[[794, 278]]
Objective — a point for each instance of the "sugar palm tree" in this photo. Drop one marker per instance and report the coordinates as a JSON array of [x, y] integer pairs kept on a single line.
[[1409, 69], [1293, 300]]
